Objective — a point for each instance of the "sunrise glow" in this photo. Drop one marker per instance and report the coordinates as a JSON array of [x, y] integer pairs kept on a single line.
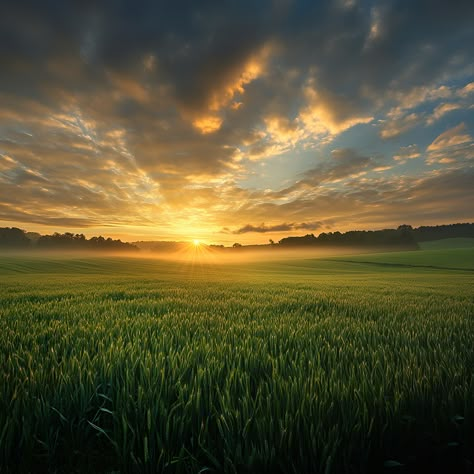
[[247, 137]]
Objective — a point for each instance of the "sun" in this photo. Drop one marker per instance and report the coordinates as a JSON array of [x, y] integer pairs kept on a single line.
[[196, 242]]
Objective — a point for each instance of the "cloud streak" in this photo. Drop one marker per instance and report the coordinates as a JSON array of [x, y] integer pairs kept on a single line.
[[263, 229]]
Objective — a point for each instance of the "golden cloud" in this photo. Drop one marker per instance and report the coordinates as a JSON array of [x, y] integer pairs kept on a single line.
[[253, 68], [225, 96], [441, 110], [451, 137], [208, 124], [328, 111]]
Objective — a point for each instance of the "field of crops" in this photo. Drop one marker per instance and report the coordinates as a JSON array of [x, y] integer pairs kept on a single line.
[[299, 366]]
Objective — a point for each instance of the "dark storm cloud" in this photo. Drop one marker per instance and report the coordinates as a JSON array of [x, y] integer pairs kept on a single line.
[[196, 44], [354, 51]]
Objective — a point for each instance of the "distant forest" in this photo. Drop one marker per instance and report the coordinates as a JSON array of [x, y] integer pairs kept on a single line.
[[14, 238], [405, 236]]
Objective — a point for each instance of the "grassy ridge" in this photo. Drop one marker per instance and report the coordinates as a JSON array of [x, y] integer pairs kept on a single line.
[[433, 257], [295, 366], [453, 243]]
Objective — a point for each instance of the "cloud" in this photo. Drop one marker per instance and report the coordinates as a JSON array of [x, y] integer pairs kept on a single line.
[[369, 203], [405, 153], [330, 111], [417, 95], [207, 56], [450, 138], [412, 106], [261, 229], [394, 128], [342, 166], [467, 90], [454, 146], [343, 163], [441, 110], [208, 124]]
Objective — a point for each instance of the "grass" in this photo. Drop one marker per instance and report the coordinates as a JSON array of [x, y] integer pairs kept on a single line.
[[443, 258], [453, 243], [310, 365]]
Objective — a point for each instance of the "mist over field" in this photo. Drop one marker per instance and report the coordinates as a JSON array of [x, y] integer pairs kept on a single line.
[[190, 255], [15, 241]]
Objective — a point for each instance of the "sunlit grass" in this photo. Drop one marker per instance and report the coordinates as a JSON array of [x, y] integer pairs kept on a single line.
[[139, 365]]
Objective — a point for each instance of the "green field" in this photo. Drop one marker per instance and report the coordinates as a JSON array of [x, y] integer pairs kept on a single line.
[[350, 364], [431, 258], [443, 244]]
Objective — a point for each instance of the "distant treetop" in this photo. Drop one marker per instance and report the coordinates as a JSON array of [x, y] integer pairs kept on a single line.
[[405, 235], [12, 237]]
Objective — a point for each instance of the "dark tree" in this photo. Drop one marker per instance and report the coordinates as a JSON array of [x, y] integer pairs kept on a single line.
[[12, 237]]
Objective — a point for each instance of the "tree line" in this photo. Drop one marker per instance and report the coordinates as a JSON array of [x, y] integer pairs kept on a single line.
[[15, 238], [404, 236]]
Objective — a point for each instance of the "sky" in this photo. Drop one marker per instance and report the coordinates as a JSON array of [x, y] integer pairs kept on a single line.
[[235, 121]]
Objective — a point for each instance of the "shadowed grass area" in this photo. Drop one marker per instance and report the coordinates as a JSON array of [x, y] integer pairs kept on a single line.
[[304, 365]]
